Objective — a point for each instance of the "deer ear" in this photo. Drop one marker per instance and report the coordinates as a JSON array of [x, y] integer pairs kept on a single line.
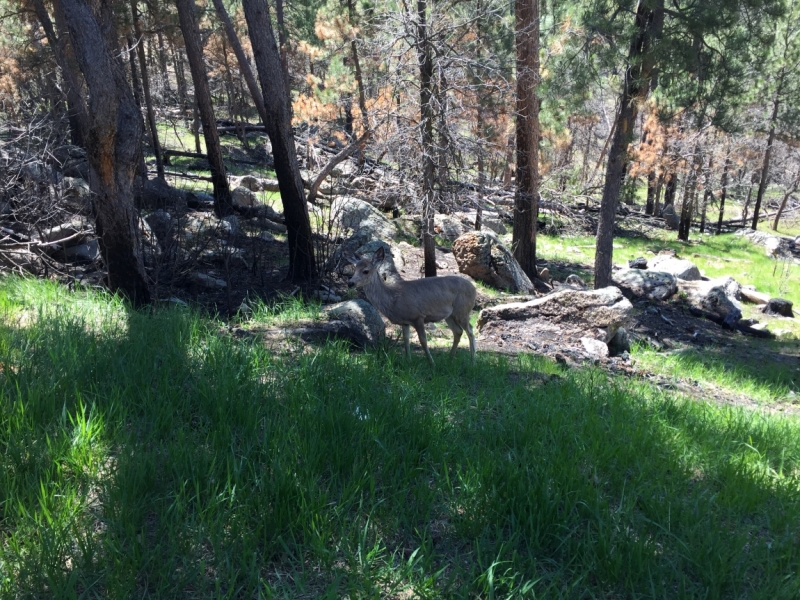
[[378, 257]]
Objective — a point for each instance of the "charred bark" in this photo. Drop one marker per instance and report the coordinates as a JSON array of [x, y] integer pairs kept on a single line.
[[526, 199], [302, 265], [223, 204], [113, 142]]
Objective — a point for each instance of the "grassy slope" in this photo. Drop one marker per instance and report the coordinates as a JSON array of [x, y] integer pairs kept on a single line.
[[151, 454]]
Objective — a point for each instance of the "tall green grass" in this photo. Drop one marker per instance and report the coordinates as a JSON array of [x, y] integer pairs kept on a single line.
[[148, 455]]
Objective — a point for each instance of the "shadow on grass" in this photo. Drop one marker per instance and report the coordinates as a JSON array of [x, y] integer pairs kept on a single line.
[[162, 458]]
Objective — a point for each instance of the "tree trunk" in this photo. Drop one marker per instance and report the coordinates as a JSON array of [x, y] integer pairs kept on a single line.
[[746, 208], [302, 265], [241, 58], [138, 99], [427, 116], [788, 193], [151, 117], [762, 184], [526, 199], [113, 142], [65, 59], [657, 200], [706, 193], [672, 186], [723, 194], [283, 49], [687, 209], [651, 193], [635, 88], [223, 204], [180, 78]]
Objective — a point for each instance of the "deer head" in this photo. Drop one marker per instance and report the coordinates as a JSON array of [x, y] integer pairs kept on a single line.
[[365, 267]]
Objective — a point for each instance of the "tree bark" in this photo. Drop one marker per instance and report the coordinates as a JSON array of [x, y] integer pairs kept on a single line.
[[762, 184], [788, 193], [723, 194], [223, 205], [651, 193], [241, 58], [526, 199], [690, 186], [65, 59], [649, 22], [113, 142], [283, 49], [302, 266], [427, 116], [151, 117]]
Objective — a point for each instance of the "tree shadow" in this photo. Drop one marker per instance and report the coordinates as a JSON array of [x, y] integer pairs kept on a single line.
[[219, 467]]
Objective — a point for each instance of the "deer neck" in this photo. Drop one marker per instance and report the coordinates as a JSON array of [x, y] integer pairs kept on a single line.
[[381, 296]]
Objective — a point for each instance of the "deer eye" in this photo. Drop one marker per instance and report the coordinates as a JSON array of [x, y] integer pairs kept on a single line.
[[365, 271]]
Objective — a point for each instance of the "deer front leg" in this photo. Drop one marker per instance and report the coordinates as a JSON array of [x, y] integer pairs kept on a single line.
[[407, 339], [419, 325]]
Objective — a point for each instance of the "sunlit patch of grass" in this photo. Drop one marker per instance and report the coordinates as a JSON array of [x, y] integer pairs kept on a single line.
[[726, 368]]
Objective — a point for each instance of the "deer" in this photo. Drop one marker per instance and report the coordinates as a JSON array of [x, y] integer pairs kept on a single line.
[[417, 301]]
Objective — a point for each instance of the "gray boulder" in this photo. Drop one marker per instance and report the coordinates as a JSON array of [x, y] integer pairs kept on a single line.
[[482, 256], [364, 325], [244, 197], [449, 227], [559, 320], [639, 283], [680, 268], [366, 221], [671, 218]]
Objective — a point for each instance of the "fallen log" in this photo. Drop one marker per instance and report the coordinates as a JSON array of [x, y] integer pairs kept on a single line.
[[745, 329]]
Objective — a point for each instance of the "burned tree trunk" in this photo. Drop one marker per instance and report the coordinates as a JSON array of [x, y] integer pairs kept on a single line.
[[427, 116], [223, 205], [302, 265], [151, 117], [526, 200], [113, 142], [724, 192]]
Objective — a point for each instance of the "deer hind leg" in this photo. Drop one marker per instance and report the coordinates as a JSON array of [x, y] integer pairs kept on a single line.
[[457, 331], [407, 339], [471, 337], [419, 325]]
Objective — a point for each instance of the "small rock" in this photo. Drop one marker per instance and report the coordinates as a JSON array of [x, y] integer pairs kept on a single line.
[[680, 268], [620, 344], [638, 263], [594, 348], [575, 282], [208, 281], [266, 236]]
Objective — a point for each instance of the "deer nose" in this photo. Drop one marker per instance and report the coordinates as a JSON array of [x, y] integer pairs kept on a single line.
[[351, 284]]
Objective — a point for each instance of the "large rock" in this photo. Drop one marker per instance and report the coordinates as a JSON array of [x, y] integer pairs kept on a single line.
[[363, 219], [157, 193], [671, 218], [717, 296], [559, 320], [243, 197], [364, 324], [640, 283], [72, 233], [776, 246], [256, 184], [449, 227], [162, 224], [480, 255], [680, 268]]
